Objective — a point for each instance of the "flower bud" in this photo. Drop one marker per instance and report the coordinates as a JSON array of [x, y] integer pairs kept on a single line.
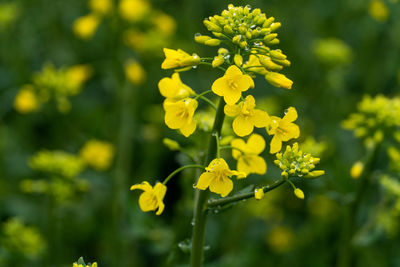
[[218, 61], [238, 59], [268, 22], [277, 55], [213, 42], [315, 174], [201, 38], [228, 29], [278, 80], [258, 193], [274, 26], [171, 144], [299, 193], [212, 26], [269, 64]]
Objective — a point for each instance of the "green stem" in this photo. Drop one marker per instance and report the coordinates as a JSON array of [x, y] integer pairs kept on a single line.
[[345, 256], [206, 63], [228, 200], [181, 169], [201, 196], [201, 96]]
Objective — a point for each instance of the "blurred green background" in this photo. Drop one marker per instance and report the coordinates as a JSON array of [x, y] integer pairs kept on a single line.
[[93, 71]]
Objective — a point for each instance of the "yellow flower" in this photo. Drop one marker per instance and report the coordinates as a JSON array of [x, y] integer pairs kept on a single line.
[[283, 129], [378, 10], [232, 84], [356, 170], [164, 23], [134, 72], [178, 58], [78, 74], [133, 10], [216, 177], [85, 27], [173, 89], [258, 193], [246, 116], [98, 154], [278, 80], [102, 7], [247, 154], [26, 100], [152, 197], [179, 115]]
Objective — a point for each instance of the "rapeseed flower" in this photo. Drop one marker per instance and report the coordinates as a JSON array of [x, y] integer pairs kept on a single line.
[[101, 7], [133, 10], [232, 84], [247, 154], [152, 197], [179, 115], [283, 129], [246, 116], [134, 72], [173, 89], [98, 154], [26, 100], [85, 27], [216, 177], [178, 58]]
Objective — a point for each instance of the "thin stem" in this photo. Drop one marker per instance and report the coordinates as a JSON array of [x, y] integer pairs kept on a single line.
[[181, 169], [217, 141], [228, 200], [204, 93], [206, 99], [206, 63], [200, 206]]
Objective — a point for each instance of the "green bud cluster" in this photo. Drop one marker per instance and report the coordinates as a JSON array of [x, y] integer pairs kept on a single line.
[[248, 33], [293, 162], [375, 117]]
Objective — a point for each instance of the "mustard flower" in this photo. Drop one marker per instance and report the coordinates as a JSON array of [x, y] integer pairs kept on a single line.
[[98, 154], [283, 129], [26, 100], [133, 10], [246, 116], [247, 154], [173, 89], [216, 177], [178, 58], [134, 72], [179, 115], [152, 197], [102, 7], [85, 27], [356, 170], [232, 84]]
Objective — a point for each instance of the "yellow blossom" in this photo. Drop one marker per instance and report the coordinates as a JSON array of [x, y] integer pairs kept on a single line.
[[258, 193], [178, 58], [179, 115], [78, 74], [378, 10], [173, 89], [152, 197], [102, 7], [283, 129], [164, 23], [134, 72], [98, 154], [216, 177], [232, 84], [133, 10], [278, 80], [356, 170], [85, 27], [246, 116], [247, 154], [26, 100]]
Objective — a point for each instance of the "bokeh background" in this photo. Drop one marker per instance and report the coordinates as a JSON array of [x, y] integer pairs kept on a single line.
[[81, 120]]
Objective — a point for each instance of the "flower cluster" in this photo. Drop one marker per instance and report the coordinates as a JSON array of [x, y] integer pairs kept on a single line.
[[293, 162], [81, 263], [52, 83], [247, 35], [376, 117]]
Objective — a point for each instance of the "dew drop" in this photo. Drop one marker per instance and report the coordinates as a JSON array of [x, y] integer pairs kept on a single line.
[[248, 6], [197, 34]]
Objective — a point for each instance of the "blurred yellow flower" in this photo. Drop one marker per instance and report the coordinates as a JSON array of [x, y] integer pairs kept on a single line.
[[152, 197], [26, 100], [173, 89], [164, 23], [86, 26], [97, 154], [171, 144], [278, 80], [101, 7], [283, 129], [378, 10], [356, 170], [133, 10], [94, 264], [280, 239], [216, 177], [78, 74], [178, 58], [246, 116], [179, 115], [232, 84], [247, 154], [134, 72]]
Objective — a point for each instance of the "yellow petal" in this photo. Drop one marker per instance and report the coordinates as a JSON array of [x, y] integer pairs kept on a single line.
[[188, 128], [260, 118], [222, 186], [240, 145], [233, 71], [276, 145], [204, 180], [242, 126], [256, 144], [219, 86], [147, 201], [145, 186], [292, 131], [172, 120], [245, 82], [291, 115], [167, 87], [231, 110], [231, 96], [252, 164]]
